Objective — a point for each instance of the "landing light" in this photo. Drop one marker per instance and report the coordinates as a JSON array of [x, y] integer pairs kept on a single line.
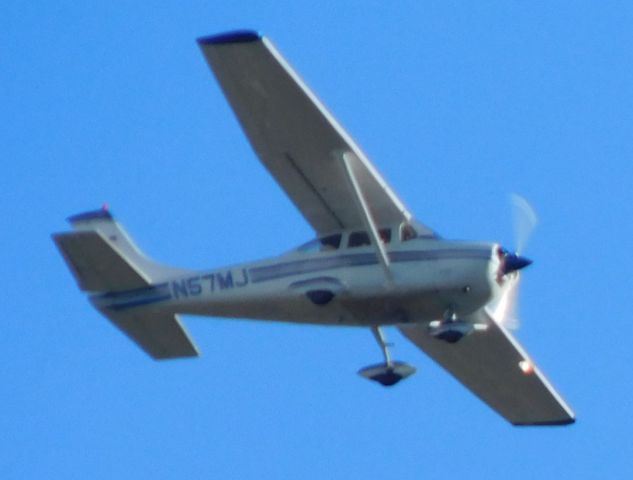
[[526, 367]]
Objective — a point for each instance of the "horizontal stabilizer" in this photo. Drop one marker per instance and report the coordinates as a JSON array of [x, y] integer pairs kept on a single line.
[[160, 334], [95, 263]]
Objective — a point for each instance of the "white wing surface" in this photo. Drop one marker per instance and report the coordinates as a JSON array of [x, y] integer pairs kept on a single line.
[[295, 137], [495, 367]]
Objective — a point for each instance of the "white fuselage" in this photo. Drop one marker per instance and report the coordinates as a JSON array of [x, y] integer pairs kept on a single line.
[[428, 276]]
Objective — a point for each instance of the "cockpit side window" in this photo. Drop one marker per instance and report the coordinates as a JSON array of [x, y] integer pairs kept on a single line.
[[385, 235], [407, 232], [358, 239]]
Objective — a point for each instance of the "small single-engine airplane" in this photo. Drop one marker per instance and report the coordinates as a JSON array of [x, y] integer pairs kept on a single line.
[[371, 265]]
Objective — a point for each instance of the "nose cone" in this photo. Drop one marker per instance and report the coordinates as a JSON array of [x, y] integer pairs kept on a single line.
[[513, 262]]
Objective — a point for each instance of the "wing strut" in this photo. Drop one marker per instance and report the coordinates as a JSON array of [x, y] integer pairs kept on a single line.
[[348, 158]]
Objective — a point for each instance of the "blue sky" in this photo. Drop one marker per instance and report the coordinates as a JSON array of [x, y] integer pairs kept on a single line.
[[457, 103]]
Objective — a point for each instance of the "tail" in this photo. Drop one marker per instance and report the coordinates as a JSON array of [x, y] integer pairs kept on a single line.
[[103, 258], [123, 281]]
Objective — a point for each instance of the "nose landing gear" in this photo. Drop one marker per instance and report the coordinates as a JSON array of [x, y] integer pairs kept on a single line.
[[452, 329]]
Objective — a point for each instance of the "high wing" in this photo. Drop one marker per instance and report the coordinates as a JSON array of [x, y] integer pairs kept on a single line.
[[488, 363], [295, 137]]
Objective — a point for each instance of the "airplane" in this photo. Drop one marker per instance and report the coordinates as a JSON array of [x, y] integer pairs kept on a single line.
[[371, 265]]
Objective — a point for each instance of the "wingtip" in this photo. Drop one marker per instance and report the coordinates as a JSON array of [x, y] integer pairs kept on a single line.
[[235, 36], [548, 423]]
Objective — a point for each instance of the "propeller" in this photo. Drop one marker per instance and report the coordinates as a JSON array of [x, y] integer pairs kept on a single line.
[[525, 220], [505, 311]]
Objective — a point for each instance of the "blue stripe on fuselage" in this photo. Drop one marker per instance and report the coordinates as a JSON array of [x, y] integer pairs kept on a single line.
[[135, 292], [298, 267], [122, 300], [138, 302], [158, 293]]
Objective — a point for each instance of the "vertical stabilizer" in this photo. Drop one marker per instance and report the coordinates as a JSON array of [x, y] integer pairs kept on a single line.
[[102, 222]]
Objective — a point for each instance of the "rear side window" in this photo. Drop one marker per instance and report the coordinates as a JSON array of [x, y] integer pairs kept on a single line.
[[331, 242], [323, 244], [361, 239]]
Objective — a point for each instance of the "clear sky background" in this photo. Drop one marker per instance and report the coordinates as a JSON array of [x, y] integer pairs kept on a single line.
[[457, 103]]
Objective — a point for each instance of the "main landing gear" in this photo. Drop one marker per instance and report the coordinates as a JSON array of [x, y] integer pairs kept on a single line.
[[450, 329], [390, 372]]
